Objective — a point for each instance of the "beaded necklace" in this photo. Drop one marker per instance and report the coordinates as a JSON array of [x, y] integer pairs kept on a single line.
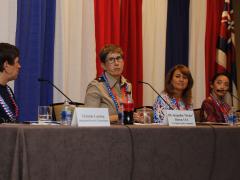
[[114, 97], [223, 107], [6, 107]]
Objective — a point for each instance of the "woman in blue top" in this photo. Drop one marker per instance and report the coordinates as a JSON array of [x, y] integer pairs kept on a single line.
[[177, 92]]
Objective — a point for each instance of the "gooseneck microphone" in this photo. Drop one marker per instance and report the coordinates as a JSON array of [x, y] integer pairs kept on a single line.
[[45, 80], [235, 97], [142, 82], [218, 90]]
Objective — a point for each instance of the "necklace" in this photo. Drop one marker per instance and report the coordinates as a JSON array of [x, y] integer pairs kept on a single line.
[[223, 107], [12, 116]]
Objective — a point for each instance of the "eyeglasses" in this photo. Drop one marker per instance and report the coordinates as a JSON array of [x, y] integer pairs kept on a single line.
[[111, 60]]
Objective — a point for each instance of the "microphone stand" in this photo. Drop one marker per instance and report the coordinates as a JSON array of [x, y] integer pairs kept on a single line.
[[49, 82], [142, 82], [232, 96]]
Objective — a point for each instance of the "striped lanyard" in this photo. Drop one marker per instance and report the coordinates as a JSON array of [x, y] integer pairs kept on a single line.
[[12, 115], [113, 94], [223, 107]]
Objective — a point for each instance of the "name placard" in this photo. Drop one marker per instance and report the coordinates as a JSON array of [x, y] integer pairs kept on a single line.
[[90, 117], [180, 118]]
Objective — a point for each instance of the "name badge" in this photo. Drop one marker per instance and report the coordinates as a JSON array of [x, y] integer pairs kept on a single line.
[[180, 118], [90, 117]]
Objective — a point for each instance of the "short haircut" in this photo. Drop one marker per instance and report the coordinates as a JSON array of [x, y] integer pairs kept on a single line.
[[169, 89], [109, 48], [8, 53]]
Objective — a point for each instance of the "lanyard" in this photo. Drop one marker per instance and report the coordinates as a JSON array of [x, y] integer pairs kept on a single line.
[[113, 94], [223, 107], [6, 107]]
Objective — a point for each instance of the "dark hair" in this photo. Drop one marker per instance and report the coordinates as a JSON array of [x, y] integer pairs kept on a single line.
[[169, 89], [8, 53], [226, 74], [109, 48]]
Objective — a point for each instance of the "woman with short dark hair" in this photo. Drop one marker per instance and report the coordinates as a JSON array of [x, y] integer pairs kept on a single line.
[[9, 69], [111, 88]]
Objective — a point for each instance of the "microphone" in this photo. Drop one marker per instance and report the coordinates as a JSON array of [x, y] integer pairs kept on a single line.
[[142, 82], [45, 80], [235, 97], [218, 90]]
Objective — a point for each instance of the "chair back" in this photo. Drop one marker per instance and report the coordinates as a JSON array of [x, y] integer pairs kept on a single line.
[[197, 114], [57, 108]]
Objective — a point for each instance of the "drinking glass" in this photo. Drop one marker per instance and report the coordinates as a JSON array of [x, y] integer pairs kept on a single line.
[[44, 114]]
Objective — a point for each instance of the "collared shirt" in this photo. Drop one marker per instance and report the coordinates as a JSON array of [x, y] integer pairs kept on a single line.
[[97, 94]]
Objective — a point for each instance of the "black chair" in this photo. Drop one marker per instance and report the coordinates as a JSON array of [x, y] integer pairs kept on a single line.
[[57, 108], [197, 114]]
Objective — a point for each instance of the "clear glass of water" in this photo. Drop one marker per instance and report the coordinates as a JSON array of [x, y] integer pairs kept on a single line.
[[145, 115], [44, 114]]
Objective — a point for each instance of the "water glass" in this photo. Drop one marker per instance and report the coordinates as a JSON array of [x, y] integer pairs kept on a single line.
[[44, 114], [146, 115]]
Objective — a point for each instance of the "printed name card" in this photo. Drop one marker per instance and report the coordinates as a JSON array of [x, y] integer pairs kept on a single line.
[[90, 117], [180, 118]]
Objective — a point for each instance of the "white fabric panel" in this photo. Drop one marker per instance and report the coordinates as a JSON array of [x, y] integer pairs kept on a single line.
[[154, 15], [75, 48], [197, 28], [8, 20]]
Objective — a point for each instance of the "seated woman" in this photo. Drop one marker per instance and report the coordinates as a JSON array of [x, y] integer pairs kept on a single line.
[[9, 69], [214, 108], [177, 92], [111, 87]]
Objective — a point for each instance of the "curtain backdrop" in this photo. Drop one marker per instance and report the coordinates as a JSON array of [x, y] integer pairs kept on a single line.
[[177, 33], [75, 52], [214, 11], [131, 42], [155, 34], [154, 45], [35, 39], [197, 27], [107, 25]]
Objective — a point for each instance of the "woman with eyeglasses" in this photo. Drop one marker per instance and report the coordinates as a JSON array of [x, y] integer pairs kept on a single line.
[[111, 87], [177, 94], [214, 108]]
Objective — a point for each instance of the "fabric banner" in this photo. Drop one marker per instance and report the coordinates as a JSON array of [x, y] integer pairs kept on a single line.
[[214, 11], [131, 42], [197, 27], [35, 39], [177, 33], [75, 49], [107, 25], [154, 45]]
